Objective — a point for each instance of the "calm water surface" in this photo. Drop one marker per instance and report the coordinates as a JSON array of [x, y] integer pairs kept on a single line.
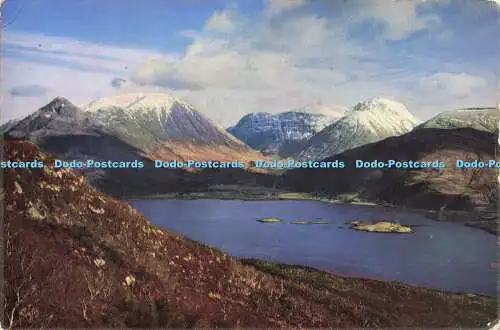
[[440, 255]]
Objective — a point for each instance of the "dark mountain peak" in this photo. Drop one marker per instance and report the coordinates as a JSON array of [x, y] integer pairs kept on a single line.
[[59, 116], [61, 106]]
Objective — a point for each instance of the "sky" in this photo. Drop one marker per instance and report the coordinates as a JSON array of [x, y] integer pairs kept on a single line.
[[230, 57]]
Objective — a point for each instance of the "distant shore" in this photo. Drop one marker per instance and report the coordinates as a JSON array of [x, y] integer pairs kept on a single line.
[[267, 194]]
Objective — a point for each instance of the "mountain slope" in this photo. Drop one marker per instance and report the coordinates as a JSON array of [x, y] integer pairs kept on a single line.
[[8, 125], [168, 128], [76, 258], [484, 119], [281, 134], [153, 117], [456, 189], [367, 122], [59, 117], [72, 134], [66, 130]]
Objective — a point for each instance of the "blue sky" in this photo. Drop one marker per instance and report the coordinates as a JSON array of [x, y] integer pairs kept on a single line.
[[113, 22], [233, 57]]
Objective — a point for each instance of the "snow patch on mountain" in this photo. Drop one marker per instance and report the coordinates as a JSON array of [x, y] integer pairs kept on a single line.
[[156, 103], [483, 119], [392, 116], [271, 132], [159, 116]]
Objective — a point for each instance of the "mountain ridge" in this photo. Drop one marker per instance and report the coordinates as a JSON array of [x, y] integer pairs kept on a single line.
[[281, 133], [166, 116], [484, 118], [366, 122], [75, 134]]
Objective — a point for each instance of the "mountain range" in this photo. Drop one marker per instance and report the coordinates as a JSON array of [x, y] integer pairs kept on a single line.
[[129, 127], [280, 134], [160, 126], [304, 136]]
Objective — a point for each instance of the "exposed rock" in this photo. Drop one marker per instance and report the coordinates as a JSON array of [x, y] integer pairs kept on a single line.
[[280, 134]]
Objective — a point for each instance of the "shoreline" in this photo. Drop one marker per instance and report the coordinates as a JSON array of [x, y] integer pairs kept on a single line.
[[327, 272], [260, 194]]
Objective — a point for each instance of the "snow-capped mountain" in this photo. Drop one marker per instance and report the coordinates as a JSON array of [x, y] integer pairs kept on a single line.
[[151, 117], [71, 133], [483, 119], [143, 121], [279, 133], [367, 122]]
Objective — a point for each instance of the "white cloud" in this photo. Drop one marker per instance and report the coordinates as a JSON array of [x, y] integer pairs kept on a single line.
[[77, 85], [457, 85], [78, 52], [64, 67], [238, 64], [401, 17], [274, 7], [221, 21], [285, 64], [496, 2]]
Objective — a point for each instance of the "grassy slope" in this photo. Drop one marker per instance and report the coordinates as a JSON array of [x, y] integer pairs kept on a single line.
[[70, 248]]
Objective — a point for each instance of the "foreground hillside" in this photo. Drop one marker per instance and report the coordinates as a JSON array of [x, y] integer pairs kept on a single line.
[[76, 258], [448, 188]]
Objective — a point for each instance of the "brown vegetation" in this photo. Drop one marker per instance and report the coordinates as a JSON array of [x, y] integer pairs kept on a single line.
[[381, 227], [76, 258], [182, 151]]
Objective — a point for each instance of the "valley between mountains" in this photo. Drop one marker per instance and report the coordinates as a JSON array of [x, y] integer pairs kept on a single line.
[[141, 245]]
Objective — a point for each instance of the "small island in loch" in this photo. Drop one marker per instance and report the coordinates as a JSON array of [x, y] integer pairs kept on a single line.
[[269, 220], [383, 226]]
